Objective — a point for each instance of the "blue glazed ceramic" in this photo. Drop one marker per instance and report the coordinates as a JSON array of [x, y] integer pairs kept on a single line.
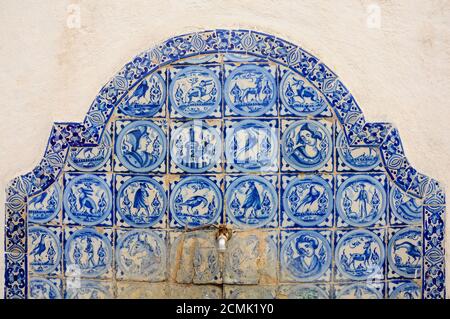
[[360, 254], [232, 127], [87, 199], [357, 158], [196, 201], [141, 255], [406, 290], [147, 99], [405, 252], [359, 291], [91, 159], [308, 201], [44, 250], [41, 288], [252, 201], [252, 146], [361, 200], [87, 253], [45, 207], [406, 208], [306, 145], [141, 146], [195, 92], [195, 147], [141, 201], [250, 90], [299, 97], [306, 255]]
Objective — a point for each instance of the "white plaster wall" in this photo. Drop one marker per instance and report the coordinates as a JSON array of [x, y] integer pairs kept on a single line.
[[399, 72]]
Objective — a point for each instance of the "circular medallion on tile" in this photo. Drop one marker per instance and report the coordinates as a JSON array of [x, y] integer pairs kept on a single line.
[[251, 201], [44, 250], [308, 201], [299, 97], [45, 206], [147, 99], [141, 201], [141, 146], [87, 253], [306, 145], [195, 92], [87, 199], [252, 146], [359, 291], [250, 90], [141, 255], [360, 254], [88, 159], [406, 208], [361, 200], [195, 201], [89, 289], [306, 255], [405, 252], [195, 147], [406, 290], [40, 288], [357, 158], [303, 291]]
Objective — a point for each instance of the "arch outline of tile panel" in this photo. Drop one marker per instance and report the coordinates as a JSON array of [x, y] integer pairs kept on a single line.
[[357, 130]]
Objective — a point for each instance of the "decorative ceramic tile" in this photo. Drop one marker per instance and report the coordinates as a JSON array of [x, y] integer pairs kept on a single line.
[[404, 289], [88, 253], [307, 200], [224, 164], [45, 208], [251, 259], [251, 201], [404, 252], [195, 92], [194, 258], [195, 201], [196, 146], [141, 201], [140, 146], [360, 254], [251, 146], [361, 200], [305, 256], [404, 208], [298, 98], [88, 289], [148, 98], [44, 250], [250, 90], [43, 288], [304, 291], [141, 255], [359, 290], [87, 199], [355, 159], [90, 159], [306, 145]]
